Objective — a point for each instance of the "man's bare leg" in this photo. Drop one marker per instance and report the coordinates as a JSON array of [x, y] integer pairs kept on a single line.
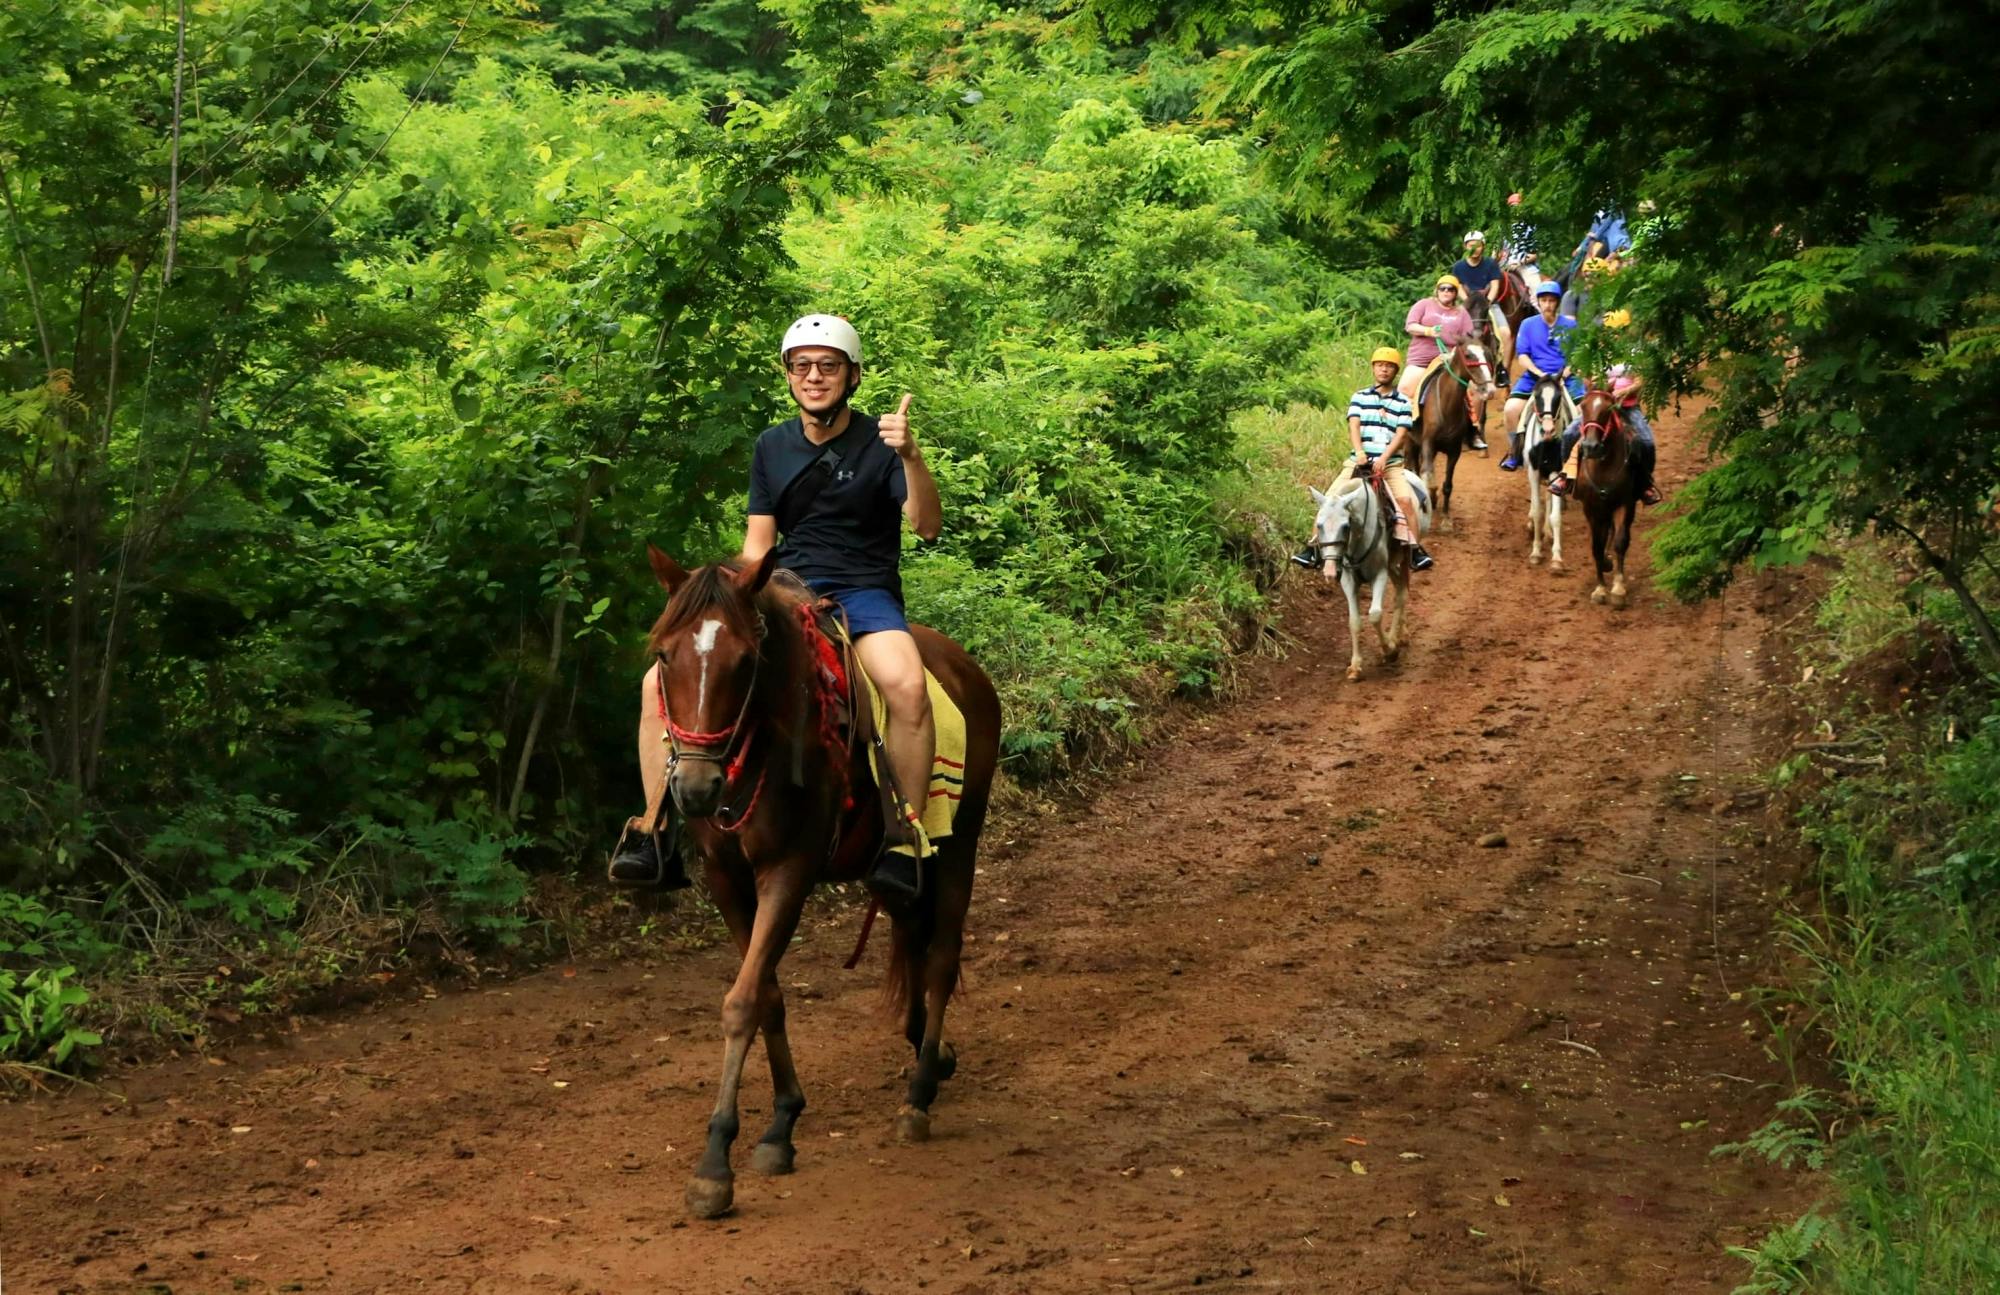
[[896, 669], [641, 860]]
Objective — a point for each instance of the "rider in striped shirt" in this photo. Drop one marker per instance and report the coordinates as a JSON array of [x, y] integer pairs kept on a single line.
[[1378, 426]]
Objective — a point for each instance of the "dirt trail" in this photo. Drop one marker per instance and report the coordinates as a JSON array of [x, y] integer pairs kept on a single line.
[[1198, 1009]]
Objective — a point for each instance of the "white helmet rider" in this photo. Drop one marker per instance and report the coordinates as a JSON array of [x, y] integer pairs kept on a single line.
[[1475, 236], [822, 330]]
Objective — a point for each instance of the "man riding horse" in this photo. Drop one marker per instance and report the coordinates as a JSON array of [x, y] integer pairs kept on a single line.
[[1485, 275], [830, 488], [1378, 427], [1542, 355]]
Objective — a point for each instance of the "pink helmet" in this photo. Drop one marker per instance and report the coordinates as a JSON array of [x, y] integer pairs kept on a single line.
[[1513, 199]]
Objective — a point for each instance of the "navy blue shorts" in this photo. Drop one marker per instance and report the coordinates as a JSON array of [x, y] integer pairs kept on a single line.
[[868, 610]]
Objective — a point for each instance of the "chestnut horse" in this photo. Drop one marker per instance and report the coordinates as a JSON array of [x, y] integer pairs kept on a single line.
[[1608, 488], [1444, 419], [778, 796]]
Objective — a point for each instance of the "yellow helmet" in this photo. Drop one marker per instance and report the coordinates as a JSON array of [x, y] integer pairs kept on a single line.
[[1387, 355], [1452, 279]]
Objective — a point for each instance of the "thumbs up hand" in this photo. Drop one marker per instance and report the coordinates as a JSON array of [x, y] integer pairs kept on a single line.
[[895, 430]]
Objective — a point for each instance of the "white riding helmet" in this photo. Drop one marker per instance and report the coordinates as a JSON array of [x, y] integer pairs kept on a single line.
[[822, 330], [1476, 236]]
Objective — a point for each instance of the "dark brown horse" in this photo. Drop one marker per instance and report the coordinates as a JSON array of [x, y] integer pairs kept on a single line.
[[778, 797], [1511, 295], [1444, 419], [1607, 485]]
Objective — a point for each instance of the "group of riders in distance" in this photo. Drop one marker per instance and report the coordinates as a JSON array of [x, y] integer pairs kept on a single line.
[[795, 728], [1488, 315]]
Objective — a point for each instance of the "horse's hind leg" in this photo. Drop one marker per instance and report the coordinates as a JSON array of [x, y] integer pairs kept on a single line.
[[780, 896], [1554, 504], [774, 1153], [937, 1061]]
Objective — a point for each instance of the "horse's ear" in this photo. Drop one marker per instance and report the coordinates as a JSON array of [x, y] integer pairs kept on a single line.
[[754, 576], [1318, 498], [668, 572]]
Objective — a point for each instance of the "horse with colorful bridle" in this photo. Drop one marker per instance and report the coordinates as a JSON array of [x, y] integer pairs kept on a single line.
[[766, 721], [1444, 423]]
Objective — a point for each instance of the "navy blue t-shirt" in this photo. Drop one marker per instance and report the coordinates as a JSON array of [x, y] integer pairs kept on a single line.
[[1477, 278], [852, 534]]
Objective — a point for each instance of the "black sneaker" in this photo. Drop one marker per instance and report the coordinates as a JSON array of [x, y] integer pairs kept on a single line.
[[640, 866], [894, 880], [1420, 560], [1307, 557]]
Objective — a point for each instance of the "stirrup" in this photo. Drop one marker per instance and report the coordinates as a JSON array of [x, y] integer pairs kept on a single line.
[[895, 880], [1650, 495], [639, 865], [1559, 485]]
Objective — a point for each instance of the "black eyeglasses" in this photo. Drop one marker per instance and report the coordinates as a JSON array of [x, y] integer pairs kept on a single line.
[[832, 368]]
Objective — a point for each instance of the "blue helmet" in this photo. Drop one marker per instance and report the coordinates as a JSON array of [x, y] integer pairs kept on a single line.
[[1549, 288]]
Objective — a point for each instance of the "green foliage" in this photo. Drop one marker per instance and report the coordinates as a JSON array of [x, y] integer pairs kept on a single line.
[[1837, 294], [39, 1020], [1900, 975], [714, 49]]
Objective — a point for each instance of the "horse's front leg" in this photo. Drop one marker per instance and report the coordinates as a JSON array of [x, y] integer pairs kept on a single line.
[[775, 1153], [1348, 587], [1620, 542], [1376, 602], [1399, 581], [1600, 532], [780, 896], [1444, 508], [1555, 527], [1535, 523]]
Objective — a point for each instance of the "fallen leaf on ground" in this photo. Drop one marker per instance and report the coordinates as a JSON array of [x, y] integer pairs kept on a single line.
[[1178, 1172], [1356, 1167], [1410, 1155], [240, 1128], [1355, 1142], [559, 1083], [1501, 1199]]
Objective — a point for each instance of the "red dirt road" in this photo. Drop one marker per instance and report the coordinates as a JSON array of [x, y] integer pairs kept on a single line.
[[1262, 1017]]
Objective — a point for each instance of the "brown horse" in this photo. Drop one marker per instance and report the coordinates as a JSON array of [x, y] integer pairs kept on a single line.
[[1444, 418], [778, 796], [1607, 485], [1515, 306]]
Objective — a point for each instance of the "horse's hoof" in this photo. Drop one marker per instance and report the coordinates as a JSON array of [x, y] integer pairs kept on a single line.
[[710, 1198], [947, 1062], [1391, 653], [1597, 594], [912, 1126], [1353, 673], [1534, 559], [1556, 567], [1618, 599], [771, 1159]]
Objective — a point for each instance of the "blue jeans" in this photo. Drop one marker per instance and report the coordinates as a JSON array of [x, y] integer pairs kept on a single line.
[[1635, 418]]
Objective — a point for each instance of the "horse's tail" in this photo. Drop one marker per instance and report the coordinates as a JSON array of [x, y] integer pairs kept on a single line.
[[909, 942]]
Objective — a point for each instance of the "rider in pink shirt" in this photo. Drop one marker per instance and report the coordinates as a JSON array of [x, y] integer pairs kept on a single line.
[[1435, 324]]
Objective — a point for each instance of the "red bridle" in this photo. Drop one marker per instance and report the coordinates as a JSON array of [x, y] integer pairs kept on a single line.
[[734, 740]]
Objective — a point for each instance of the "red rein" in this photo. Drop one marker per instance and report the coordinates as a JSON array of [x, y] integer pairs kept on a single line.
[[830, 689]]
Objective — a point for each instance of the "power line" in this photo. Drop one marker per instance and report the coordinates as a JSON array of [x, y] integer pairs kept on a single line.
[[361, 170]]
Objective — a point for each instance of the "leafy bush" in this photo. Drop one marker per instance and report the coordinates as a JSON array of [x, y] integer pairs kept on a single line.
[[39, 1020]]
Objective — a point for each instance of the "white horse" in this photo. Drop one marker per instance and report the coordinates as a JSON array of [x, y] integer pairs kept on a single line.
[[1353, 535], [1548, 411]]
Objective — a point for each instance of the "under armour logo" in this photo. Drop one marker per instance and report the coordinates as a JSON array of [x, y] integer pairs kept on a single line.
[[845, 474]]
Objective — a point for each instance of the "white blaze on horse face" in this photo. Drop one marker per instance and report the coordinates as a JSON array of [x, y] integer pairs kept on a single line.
[[704, 643]]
